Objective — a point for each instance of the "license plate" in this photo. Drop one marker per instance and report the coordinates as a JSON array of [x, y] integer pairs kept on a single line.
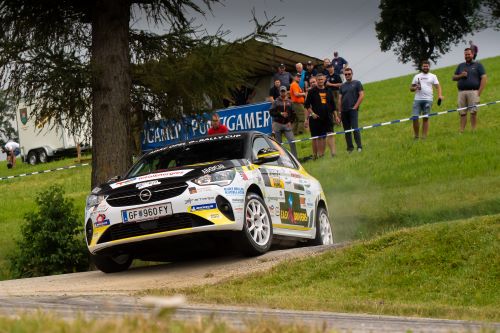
[[146, 213]]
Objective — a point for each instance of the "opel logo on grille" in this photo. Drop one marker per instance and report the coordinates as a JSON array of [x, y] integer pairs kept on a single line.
[[145, 195]]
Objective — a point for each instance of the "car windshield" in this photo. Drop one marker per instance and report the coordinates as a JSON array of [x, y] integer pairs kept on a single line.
[[180, 155]]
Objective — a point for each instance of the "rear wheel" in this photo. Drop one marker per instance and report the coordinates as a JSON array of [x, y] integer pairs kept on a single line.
[[257, 233], [324, 234], [112, 264], [42, 156], [32, 158]]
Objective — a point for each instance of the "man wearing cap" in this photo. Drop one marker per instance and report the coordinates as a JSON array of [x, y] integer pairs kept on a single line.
[[297, 95], [283, 118], [284, 77], [339, 64], [11, 148]]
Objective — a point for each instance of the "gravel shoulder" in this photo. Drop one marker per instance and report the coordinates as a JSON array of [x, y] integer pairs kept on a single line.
[[172, 276]]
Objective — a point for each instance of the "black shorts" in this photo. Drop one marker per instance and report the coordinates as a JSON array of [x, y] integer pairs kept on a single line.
[[318, 126]]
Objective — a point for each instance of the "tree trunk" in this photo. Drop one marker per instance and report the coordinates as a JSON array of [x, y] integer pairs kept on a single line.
[[111, 85]]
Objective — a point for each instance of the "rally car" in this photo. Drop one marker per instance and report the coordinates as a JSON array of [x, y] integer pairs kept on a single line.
[[242, 184]]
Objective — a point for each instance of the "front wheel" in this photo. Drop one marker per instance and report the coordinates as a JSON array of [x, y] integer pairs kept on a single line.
[[257, 233], [324, 234], [112, 264]]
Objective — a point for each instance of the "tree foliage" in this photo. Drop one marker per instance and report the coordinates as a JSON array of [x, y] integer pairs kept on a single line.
[[419, 30], [66, 58], [52, 241], [7, 116]]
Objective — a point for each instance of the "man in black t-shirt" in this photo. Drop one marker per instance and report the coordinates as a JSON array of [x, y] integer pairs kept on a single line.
[[320, 115], [274, 92]]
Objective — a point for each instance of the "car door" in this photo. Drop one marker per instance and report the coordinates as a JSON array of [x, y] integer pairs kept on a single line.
[[293, 209], [273, 184]]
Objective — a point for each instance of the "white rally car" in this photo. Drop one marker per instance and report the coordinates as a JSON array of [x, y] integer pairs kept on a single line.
[[244, 185]]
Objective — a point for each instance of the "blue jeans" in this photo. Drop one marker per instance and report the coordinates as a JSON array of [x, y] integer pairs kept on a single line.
[[350, 121], [287, 129]]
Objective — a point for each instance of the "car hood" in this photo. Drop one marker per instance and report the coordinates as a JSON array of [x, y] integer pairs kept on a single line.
[[168, 176]]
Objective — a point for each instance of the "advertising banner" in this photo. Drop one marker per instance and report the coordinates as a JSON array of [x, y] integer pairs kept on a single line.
[[163, 132]]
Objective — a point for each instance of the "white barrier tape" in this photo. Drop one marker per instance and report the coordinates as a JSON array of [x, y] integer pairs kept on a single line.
[[45, 171], [397, 121]]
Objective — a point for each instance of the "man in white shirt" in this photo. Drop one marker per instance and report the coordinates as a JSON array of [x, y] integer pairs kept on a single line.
[[423, 84], [11, 148]]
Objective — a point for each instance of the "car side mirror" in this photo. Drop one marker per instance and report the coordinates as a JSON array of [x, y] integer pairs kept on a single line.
[[114, 179], [266, 155]]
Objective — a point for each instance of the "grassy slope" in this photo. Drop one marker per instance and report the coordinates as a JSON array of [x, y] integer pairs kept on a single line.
[[446, 270], [396, 181]]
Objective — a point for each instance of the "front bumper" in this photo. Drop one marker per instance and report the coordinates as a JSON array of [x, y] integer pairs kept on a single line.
[[197, 209]]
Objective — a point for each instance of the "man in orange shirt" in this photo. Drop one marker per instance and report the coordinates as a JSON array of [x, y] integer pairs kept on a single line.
[[297, 95]]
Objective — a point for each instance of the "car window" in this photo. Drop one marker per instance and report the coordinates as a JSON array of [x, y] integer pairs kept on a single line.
[[285, 158], [189, 154], [258, 144]]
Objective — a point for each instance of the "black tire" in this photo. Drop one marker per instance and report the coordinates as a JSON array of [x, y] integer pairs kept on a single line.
[[42, 156], [32, 158], [257, 233], [324, 235], [112, 264]]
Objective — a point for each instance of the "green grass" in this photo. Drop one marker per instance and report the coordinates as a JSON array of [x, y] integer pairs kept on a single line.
[[445, 270], [17, 197], [43, 323]]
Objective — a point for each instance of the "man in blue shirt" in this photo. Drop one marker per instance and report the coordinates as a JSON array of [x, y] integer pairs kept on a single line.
[[471, 81], [339, 64]]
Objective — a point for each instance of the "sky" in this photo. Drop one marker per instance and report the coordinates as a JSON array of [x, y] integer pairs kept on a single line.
[[318, 27]]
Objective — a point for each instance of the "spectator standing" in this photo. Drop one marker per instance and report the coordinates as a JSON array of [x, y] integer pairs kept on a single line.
[[471, 81], [326, 62], [283, 118], [12, 149], [339, 64], [216, 127], [320, 104], [284, 77], [300, 69], [351, 94], [274, 92], [297, 95], [312, 84], [474, 49], [310, 72], [423, 85], [333, 81]]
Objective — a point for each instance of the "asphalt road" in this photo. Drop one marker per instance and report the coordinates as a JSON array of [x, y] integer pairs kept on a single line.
[[99, 295]]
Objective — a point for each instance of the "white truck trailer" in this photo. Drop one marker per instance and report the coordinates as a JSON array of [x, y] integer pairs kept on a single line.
[[41, 141]]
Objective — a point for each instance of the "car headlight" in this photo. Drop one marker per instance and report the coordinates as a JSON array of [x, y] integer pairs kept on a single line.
[[221, 178], [94, 200]]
